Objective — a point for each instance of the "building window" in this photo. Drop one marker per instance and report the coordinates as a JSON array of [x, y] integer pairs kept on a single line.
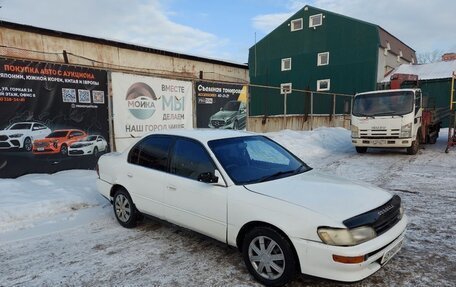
[[388, 45], [323, 59], [385, 51], [323, 85], [315, 20], [286, 64], [296, 24], [413, 60], [400, 53], [285, 88], [398, 58]]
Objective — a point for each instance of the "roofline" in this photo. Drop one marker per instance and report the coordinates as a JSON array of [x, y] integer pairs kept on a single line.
[[380, 27], [334, 13], [124, 45]]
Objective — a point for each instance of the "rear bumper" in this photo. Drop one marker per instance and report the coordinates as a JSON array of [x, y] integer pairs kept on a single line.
[[360, 142], [316, 258], [104, 188]]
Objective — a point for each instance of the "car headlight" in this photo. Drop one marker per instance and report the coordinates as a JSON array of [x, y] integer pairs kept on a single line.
[[355, 131], [346, 237], [228, 120], [16, 135], [406, 131]]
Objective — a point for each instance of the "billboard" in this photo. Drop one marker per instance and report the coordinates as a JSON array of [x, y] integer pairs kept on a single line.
[[146, 104], [220, 105], [52, 117]]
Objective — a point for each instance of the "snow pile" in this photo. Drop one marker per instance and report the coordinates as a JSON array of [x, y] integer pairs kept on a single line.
[[312, 146], [34, 197]]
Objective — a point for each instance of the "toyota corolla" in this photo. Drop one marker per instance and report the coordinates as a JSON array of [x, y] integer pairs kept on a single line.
[[250, 192]]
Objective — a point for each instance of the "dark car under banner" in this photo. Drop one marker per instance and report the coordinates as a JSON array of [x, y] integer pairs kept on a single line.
[[220, 105], [52, 117]]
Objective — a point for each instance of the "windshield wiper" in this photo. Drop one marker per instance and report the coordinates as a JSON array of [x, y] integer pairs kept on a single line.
[[280, 173], [364, 115]]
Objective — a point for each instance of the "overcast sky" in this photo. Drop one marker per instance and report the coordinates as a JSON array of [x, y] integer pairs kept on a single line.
[[225, 29]]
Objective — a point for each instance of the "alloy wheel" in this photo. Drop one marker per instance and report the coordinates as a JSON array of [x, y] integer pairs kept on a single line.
[[266, 257], [123, 208]]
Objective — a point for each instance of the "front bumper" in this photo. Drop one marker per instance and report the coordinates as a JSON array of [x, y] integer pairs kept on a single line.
[[316, 258], [399, 142], [7, 142], [80, 151]]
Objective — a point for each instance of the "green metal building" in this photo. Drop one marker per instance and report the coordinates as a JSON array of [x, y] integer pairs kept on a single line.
[[319, 50]]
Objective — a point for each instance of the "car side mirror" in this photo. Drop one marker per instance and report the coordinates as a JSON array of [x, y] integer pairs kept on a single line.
[[221, 109], [208, 177]]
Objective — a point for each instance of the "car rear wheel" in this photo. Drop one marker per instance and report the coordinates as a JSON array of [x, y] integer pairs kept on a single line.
[[269, 256], [124, 209]]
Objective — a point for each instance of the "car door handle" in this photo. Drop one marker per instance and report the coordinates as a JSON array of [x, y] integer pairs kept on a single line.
[[171, 187], [129, 175]]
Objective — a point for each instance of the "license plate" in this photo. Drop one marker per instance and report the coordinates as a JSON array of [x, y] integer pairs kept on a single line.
[[391, 252], [379, 142], [40, 149]]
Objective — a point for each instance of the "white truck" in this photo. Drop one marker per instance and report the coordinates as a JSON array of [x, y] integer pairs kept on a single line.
[[396, 118]]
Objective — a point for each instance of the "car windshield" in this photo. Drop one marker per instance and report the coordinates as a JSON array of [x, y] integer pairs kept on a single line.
[[20, 126], [57, 134], [231, 106], [90, 139], [383, 104], [255, 159]]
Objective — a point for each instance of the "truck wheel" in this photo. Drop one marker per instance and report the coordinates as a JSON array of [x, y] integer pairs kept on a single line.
[[361, 149], [413, 149]]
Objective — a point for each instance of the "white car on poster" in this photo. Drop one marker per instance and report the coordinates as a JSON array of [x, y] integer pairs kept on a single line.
[[249, 192], [91, 145], [22, 134]]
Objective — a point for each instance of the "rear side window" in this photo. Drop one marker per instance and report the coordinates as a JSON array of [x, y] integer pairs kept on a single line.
[[151, 152], [190, 159]]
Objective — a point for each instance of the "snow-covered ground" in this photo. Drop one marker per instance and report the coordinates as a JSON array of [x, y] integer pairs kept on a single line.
[[57, 230]]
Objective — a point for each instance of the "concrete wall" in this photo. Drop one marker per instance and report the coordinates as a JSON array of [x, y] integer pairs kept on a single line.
[[42, 47], [296, 122]]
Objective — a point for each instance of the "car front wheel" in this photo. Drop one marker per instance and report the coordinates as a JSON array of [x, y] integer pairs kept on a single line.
[[269, 256], [124, 209]]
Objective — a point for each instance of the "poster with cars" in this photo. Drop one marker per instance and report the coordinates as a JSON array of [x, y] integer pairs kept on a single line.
[[221, 106], [53, 117], [144, 104]]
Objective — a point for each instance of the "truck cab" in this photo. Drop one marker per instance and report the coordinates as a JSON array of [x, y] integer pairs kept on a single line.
[[391, 119]]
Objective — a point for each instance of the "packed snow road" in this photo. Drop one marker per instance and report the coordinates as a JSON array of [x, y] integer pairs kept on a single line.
[[57, 230]]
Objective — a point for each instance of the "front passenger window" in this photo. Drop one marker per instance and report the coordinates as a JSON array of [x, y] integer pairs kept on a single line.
[[190, 159]]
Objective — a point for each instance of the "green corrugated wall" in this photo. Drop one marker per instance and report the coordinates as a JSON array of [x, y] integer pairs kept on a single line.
[[353, 48]]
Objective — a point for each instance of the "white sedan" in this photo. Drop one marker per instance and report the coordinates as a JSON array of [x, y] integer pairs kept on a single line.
[[91, 145], [248, 191]]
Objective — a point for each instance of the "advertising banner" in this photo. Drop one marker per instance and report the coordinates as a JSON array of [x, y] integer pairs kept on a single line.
[[146, 104], [221, 106], [52, 117]]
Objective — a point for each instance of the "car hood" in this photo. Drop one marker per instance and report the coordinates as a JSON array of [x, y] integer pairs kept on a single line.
[[331, 196], [51, 139], [12, 132], [222, 115]]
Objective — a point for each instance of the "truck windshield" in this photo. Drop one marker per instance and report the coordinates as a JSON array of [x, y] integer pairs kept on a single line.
[[383, 104]]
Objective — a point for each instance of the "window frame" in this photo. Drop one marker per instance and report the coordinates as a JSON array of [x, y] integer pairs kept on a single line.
[[282, 92], [311, 25], [319, 62], [282, 66], [323, 80], [138, 146], [292, 28], [172, 156]]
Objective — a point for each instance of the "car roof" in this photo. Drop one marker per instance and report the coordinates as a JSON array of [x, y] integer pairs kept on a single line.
[[205, 135], [68, 130]]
